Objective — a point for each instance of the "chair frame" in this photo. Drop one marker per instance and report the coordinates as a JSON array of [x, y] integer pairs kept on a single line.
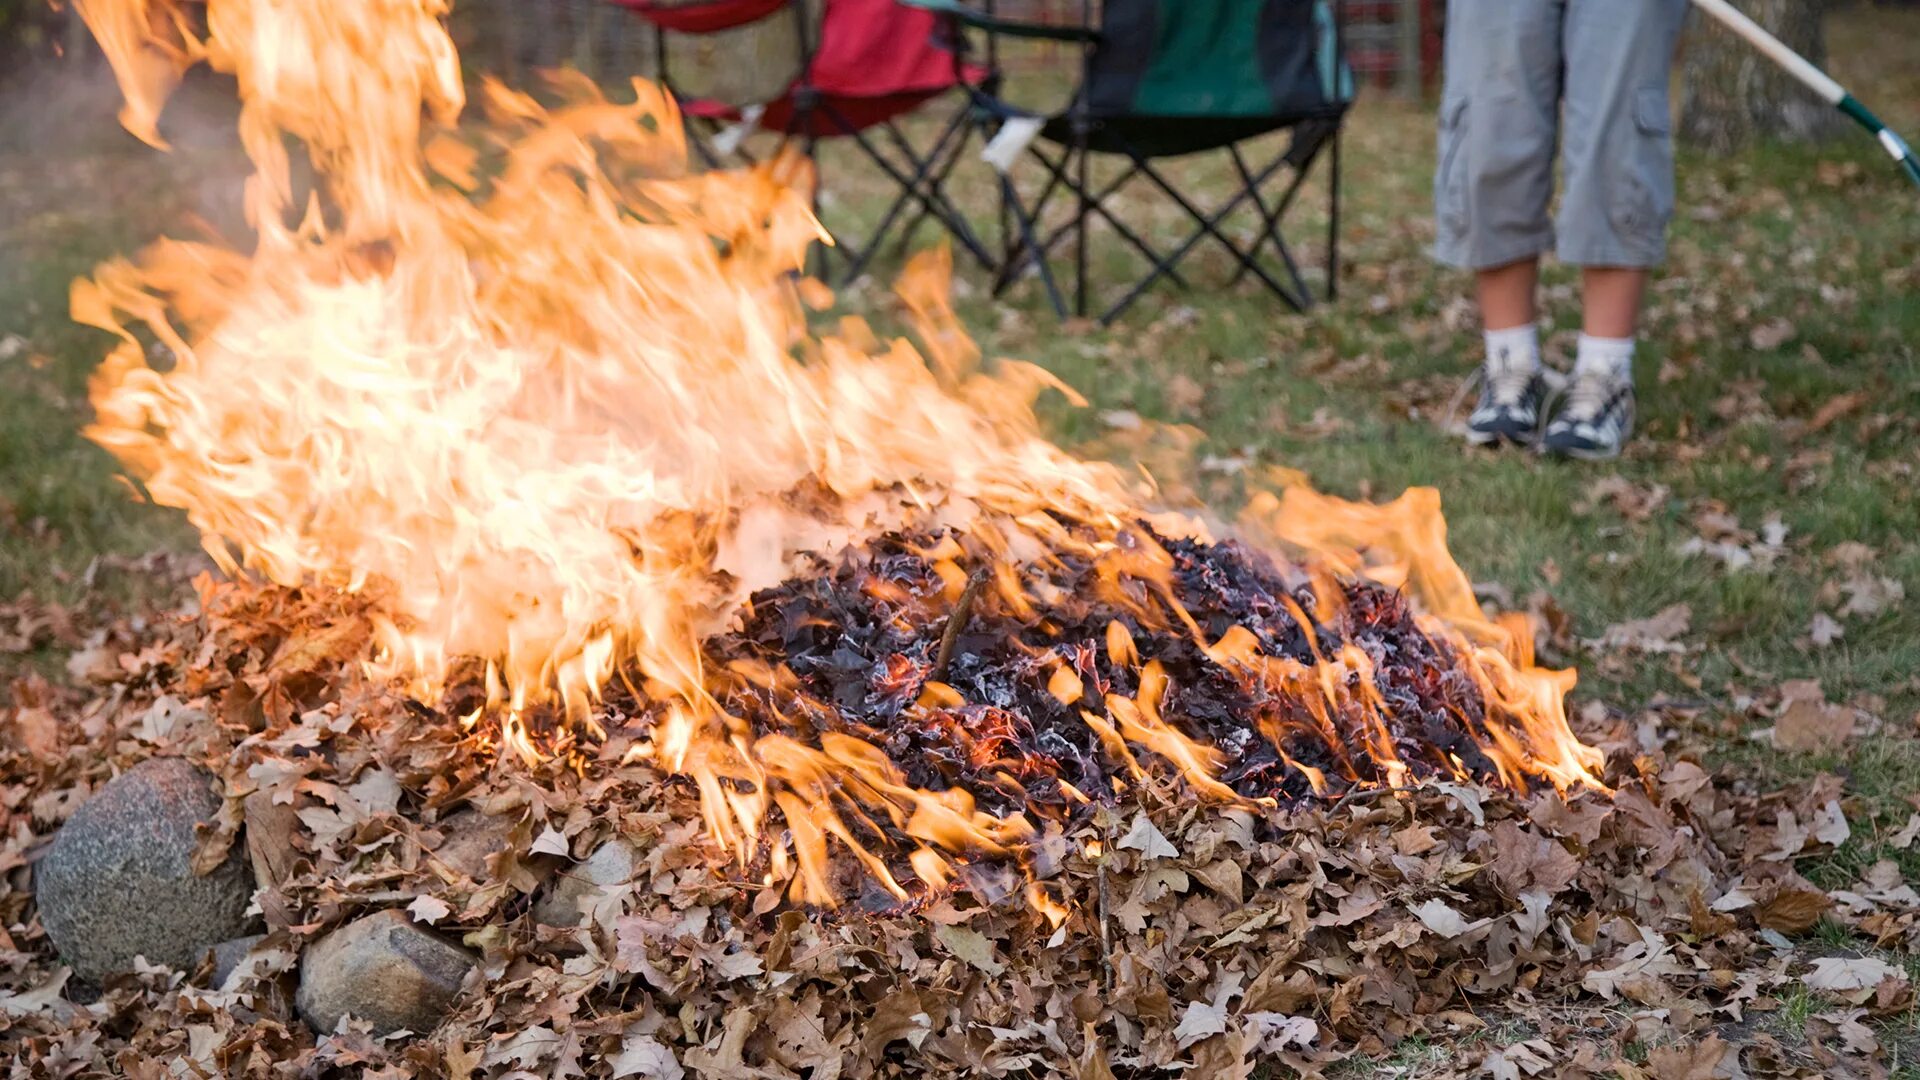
[[921, 180], [1068, 168]]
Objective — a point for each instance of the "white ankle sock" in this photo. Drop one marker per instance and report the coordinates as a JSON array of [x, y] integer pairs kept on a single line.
[[1613, 356], [1521, 344]]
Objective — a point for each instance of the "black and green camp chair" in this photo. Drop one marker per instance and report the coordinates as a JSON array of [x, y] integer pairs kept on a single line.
[[1162, 79]]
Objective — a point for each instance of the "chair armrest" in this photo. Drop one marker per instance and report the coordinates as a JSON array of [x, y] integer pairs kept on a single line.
[[994, 24]]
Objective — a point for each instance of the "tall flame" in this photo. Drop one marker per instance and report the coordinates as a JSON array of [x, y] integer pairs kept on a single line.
[[552, 397]]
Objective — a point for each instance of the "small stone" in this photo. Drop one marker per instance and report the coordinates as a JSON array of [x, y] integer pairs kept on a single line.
[[119, 882], [228, 954], [382, 969], [585, 885], [471, 838]]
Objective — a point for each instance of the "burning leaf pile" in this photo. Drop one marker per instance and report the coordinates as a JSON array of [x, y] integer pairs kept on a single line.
[[421, 392]]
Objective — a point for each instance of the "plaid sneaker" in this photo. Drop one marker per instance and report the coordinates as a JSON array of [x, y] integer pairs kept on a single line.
[[1511, 388], [1598, 416]]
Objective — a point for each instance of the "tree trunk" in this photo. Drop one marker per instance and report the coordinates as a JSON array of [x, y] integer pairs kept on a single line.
[[1734, 94]]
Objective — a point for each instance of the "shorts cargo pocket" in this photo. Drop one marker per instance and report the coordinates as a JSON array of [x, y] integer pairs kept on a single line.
[[1645, 200], [1450, 176]]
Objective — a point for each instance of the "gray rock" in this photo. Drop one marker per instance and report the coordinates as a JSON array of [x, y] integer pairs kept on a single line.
[[471, 838], [383, 969], [119, 880], [612, 864], [228, 954]]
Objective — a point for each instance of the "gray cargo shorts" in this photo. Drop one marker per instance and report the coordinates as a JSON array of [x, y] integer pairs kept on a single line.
[[1511, 66]]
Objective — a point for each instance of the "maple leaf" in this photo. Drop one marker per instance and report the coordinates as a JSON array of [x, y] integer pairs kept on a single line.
[[1655, 634], [970, 946], [1529, 1058], [1148, 840], [1851, 978], [1201, 1020], [550, 842], [428, 909], [44, 996], [1436, 915], [1689, 1060], [1648, 958]]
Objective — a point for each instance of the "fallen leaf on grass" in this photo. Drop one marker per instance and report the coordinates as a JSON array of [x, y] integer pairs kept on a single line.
[[1641, 962], [1702, 1060], [1851, 978], [1835, 408], [1651, 635], [1825, 630], [1808, 723], [1771, 334], [1908, 833], [1870, 594], [1184, 395], [1792, 910], [1856, 1036], [1530, 1058], [1830, 824]]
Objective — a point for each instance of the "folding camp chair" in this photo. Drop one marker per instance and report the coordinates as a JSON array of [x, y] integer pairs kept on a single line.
[[852, 69], [1162, 79]]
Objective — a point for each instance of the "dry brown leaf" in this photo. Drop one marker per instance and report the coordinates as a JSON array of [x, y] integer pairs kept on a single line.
[[1792, 910], [1655, 634], [1808, 723], [1706, 1059], [1851, 978]]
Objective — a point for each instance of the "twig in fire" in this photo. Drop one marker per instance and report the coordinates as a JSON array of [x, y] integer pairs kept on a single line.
[[956, 625]]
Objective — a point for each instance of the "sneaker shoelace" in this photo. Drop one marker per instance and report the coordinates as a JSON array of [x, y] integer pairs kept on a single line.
[[1587, 398], [1507, 381]]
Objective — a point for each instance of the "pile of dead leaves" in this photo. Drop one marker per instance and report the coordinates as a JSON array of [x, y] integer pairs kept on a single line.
[[1646, 933]]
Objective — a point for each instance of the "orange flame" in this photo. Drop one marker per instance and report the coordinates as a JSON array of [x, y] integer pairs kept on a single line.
[[552, 398]]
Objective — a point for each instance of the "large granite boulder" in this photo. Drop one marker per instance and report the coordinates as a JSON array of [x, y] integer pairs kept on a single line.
[[383, 969], [119, 881]]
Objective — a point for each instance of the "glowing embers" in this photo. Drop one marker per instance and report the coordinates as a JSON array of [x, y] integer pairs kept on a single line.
[[1073, 678]]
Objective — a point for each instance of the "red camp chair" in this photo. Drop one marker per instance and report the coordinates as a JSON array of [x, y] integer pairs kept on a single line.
[[863, 68]]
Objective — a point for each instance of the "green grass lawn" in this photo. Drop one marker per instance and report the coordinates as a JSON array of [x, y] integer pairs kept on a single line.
[[1772, 480]]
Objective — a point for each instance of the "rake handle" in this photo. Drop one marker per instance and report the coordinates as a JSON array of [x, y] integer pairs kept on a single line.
[[1814, 79]]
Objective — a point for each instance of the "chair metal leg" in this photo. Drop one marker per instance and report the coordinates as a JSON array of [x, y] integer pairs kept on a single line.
[[1271, 222], [1208, 227], [1080, 227], [922, 174], [1052, 239], [1011, 199], [947, 214], [939, 162], [1333, 218], [1016, 259]]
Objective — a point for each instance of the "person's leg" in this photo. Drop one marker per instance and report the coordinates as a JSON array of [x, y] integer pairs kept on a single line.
[[1507, 294], [1498, 120], [1618, 155], [1611, 298]]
